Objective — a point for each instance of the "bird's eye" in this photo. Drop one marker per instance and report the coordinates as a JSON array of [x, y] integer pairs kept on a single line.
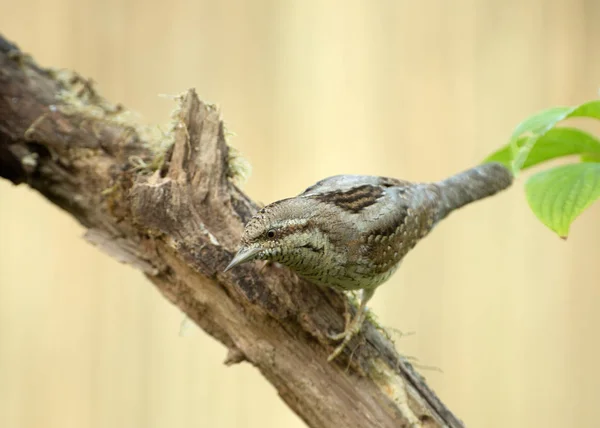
[[271, 234]]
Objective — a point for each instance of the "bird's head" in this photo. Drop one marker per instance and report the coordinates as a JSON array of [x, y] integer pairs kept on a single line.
[[284, 231]]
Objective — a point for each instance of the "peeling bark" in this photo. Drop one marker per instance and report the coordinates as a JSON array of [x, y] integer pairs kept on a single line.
[[166, 205]]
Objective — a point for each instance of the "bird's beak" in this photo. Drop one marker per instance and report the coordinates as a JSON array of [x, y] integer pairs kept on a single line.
[[243, 255]]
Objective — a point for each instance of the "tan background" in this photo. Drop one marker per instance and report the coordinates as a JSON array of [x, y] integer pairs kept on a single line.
[[412, 89]]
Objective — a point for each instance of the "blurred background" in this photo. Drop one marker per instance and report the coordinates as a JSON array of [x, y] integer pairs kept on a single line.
[[409, 89]]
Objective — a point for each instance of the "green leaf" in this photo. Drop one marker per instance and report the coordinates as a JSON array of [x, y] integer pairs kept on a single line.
[[590, 109], [559, 195], [528, 134], [538, 125], [555, 143], [541, 122], [533, 128], [544, 120], [590, 157]]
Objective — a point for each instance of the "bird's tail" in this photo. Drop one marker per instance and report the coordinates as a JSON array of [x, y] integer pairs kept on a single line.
[[471, 185]]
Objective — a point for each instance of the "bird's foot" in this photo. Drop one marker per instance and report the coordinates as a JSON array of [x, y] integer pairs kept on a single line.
[[352, 326], [351, 329], [345, 337]]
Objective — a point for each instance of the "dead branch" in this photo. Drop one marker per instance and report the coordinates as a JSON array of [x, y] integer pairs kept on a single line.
[[165, 204]]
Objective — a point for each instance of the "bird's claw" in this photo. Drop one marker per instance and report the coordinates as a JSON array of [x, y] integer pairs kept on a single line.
[[352, 328]]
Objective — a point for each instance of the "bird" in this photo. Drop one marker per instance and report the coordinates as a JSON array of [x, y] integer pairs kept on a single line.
[[351, 232]]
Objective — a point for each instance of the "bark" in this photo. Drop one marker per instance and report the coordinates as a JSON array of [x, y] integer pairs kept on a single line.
[[167, 205]]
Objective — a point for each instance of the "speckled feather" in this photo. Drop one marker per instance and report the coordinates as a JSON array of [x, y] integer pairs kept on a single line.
[[352, 231], [383, 218]]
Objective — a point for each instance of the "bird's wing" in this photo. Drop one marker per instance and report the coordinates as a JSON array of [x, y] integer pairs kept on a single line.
[[346, 182]]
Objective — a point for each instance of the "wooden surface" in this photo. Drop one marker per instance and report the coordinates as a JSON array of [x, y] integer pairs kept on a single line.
[[165, 204], [413, 90]]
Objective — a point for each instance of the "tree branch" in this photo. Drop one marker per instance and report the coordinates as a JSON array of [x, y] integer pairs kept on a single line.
[[166, 204]]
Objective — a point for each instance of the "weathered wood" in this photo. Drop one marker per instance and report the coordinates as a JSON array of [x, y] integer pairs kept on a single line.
[[167, 205]]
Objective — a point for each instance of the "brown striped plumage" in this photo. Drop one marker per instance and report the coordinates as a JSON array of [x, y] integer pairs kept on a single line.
[[351, 232], [353, 200]]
